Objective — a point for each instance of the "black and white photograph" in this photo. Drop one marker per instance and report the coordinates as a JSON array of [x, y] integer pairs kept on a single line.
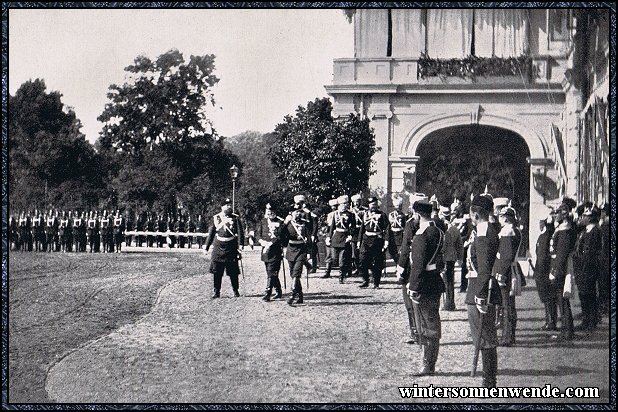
[[309, 205]]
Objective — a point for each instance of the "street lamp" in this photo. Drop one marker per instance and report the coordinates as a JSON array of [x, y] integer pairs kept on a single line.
[[234, 174]]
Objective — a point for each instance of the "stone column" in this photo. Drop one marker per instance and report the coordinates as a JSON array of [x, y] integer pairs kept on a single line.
[[380, 114]]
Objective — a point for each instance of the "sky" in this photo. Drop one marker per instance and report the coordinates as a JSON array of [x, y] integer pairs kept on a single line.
[[268, 61]]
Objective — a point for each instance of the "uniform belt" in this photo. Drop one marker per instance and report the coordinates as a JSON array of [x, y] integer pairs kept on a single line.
[[296, 242], [396, 229], [341, 230], [225, 239], [431, 267], [553, 256], [373, 233]]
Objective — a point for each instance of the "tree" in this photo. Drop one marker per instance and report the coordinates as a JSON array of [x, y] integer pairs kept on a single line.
[[163, 101], [316, 155], [161, 148], [51, 164], [257, 182]]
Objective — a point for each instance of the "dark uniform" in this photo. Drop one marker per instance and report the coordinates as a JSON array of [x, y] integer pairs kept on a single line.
[[341, 232], [119, 228], [162, 227], [481, 258], [105, 229], [403, 269], [75, 233], [358, 212], [202, 227], [295, 237], [508, 245], [397, 223], [149, 226], [587, 267], [541, 276], [269, 236], [191, 229], [140, 225], [373, 233], [25, 233], [464, 224], [92, 233], [561, 246], [64, 233], [130, 226], [425, 285], [453, 252], [38, 228], [227, 234]]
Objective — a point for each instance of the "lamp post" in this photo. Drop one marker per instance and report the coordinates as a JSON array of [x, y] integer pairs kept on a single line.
[[234, 174]]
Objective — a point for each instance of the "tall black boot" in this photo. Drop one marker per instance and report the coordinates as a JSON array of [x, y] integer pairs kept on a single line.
[[269, 290], [299, 292], [430, 355], [277, 285], [490, 367], [328, 269]]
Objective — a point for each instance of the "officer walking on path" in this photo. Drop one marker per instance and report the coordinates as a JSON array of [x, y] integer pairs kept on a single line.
[[373, 243], [269, 237], [227, 234]]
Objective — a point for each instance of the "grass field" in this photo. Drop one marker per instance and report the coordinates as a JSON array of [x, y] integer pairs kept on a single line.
[[141, 327]]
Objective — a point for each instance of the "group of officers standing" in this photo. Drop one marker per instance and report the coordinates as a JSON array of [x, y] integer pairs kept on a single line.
[[426, 245], [573, 248]]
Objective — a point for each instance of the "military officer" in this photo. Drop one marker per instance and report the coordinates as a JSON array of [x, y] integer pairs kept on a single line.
[[92, 232], [358, 210], [64, 231], [162, 228], [425, 285], [340, 235], [329, 251], [269, 237], [509, 242], [453, 252], [295, 237], [104, 230], [75, 233], [587, 265], [541, 273], [403, 264], [38, 229], [480, 301], [118, 231], [149, 226], [228, 236], [372, 243], [397, 222], [561, 247]]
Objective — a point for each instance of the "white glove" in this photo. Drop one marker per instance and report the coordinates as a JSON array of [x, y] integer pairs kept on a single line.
[[327, 241]]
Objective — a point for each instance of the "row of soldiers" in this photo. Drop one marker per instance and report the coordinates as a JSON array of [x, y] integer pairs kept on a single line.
[[104, 231]]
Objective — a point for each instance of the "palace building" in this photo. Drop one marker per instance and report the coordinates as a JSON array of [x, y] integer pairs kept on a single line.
[[515, 99]]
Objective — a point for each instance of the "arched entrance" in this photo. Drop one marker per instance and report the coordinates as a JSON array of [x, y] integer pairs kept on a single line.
[[459, 161]]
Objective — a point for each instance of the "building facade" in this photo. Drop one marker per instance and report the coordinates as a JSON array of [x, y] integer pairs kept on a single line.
[[431, 80]]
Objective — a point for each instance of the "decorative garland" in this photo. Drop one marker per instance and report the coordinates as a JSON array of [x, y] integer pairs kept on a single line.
[[472, 67]]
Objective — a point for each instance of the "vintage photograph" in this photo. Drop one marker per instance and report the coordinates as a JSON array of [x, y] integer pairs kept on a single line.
[[308, 207]]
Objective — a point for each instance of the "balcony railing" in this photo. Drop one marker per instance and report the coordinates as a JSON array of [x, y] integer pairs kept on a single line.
[[408, 71]]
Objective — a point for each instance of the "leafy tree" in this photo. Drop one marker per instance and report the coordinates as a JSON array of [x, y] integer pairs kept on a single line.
[[317, 155], [51, 163], [257, 183], [161, 148], [163, 101]]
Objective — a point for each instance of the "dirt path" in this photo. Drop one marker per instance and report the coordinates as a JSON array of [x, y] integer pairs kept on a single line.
[[343, 345]]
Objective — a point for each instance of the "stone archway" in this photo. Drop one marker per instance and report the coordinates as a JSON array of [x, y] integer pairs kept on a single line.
[[537, 147]]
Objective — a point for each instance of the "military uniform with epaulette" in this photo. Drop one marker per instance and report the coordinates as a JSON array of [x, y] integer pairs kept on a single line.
[[372, 243], [295, 237], [509, 241], [481, 258], [560, 247], [340, 237], [403, 272], [226, 235], [269, 237], [425, 285]]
